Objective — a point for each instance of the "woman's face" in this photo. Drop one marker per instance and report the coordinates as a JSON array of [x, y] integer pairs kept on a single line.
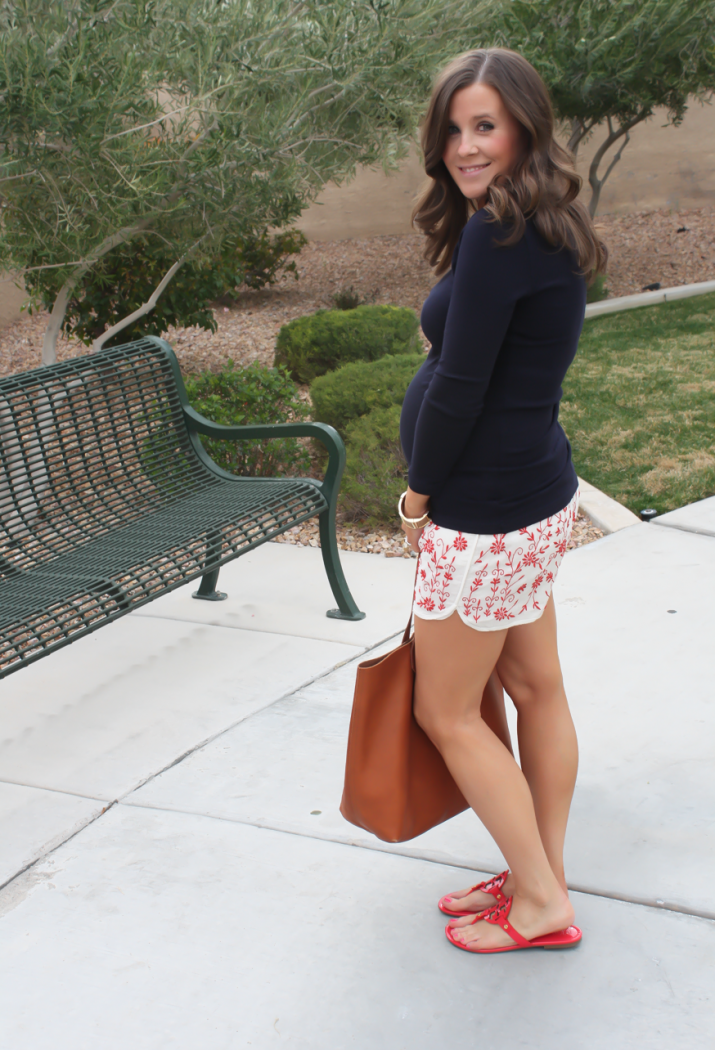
[[483, 141]]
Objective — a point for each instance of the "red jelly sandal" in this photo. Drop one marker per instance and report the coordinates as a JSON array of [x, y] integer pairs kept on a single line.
[[493, 886], [498, 915]]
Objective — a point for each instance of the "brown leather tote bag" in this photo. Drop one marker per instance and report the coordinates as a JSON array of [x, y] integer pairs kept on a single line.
[[396, 783]]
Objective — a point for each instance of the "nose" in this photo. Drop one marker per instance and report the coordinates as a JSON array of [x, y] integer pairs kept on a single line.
[[466, 146]]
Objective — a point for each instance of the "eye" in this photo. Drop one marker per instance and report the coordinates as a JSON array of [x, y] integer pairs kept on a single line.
[[453, 130], [485, 125]]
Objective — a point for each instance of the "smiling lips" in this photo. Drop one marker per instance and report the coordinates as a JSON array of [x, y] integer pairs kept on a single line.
[[474, 168]]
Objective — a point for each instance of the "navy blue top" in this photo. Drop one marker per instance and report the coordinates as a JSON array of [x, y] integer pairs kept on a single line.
[[479, 424]]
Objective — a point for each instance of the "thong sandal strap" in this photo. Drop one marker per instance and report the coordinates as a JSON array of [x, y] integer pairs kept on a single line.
[[493, 885], [498, 915]]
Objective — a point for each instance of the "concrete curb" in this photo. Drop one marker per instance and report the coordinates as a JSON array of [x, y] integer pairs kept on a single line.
[[663, 295], [606, 514]]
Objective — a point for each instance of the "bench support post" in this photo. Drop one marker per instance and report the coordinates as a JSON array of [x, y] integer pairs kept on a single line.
[[347, 609], [207, 588]]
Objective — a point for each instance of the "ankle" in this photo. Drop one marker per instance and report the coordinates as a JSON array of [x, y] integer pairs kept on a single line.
[[541, 895]]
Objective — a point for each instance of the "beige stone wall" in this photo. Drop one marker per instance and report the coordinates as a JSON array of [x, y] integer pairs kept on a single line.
[[661, 167], [11, 299]]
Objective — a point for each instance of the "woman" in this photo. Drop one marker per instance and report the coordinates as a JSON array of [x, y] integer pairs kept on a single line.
[[492, 491]]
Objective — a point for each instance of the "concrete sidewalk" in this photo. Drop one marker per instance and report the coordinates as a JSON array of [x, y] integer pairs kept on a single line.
[[177, 873]]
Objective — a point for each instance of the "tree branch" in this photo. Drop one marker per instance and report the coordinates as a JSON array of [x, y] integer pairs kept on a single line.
[[579, 131], [144, 309], [595, 183], [73, 27], [59, 307]]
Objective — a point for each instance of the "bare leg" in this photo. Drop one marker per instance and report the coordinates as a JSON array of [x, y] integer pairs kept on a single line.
[[530, 669], [454, 664], [494, 711]]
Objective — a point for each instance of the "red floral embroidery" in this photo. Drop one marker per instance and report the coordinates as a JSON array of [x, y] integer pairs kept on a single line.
[[433, 589], [504, 577]]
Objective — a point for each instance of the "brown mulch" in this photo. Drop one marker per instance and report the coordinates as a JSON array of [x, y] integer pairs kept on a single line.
[[669, 248]]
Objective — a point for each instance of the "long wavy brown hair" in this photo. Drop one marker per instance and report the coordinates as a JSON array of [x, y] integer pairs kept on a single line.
[[543, 185]]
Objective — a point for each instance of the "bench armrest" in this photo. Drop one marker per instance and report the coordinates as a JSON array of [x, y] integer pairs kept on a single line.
[[328, 436]]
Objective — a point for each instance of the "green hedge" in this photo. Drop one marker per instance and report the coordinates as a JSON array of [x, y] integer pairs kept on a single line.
[[356, 389], [376, 471], [310, 346], [238, 396]]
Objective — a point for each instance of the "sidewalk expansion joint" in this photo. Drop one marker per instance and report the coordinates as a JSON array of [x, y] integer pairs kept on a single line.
[[285, 696], [240, 627], [197, 747], [643, 902], [684, 528], [48, 853], [55, 791]]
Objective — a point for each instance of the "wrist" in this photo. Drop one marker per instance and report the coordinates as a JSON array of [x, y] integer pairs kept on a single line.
[[415, 508], [414, 515], [415, 504]]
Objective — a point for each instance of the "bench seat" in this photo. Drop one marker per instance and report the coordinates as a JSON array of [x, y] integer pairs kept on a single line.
[[108, 498]]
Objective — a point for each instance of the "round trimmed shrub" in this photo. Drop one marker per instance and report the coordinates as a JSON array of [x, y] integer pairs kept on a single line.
[[239, 396], [354, 390], [375, 471], [310, 346]]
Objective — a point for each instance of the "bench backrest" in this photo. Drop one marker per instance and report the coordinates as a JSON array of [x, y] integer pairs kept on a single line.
[[87, 445]]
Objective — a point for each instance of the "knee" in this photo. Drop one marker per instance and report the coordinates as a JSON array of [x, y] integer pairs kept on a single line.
[[528, 687], [429, 719], [443, 723]]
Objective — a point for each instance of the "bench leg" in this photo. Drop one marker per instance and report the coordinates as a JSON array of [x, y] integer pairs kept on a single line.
[[207, 588], [347, 610]]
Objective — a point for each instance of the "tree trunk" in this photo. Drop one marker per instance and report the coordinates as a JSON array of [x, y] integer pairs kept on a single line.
[[595, 182], [578, 131], [59, 309]]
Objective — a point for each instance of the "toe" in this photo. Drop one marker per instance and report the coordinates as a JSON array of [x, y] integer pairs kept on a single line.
[[462, 921]]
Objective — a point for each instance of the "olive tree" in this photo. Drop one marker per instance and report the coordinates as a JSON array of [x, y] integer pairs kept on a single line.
[[187, 121], [610, 63]]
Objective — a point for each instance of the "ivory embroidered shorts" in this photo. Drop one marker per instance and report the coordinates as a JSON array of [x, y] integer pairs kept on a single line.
[[492, 581]]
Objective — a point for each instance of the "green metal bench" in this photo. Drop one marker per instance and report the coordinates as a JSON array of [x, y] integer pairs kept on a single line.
[[108, 498]]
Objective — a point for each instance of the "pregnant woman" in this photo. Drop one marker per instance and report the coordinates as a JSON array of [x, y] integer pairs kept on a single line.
[[492, 491]]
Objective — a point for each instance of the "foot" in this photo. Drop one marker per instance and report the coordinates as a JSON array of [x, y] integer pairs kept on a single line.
[[529, 918], [476, 900]]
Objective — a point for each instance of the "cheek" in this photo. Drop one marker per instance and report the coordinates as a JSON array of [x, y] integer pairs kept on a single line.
[[505, 147], [450, 153]]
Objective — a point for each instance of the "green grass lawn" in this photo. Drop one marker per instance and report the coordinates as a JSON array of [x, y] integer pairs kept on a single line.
[[639, 404]]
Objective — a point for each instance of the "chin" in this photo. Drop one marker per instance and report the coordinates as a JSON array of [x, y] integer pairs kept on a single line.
[[472, 192]]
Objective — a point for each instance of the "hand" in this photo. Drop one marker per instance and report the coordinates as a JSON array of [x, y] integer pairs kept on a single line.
[[413, 537]]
